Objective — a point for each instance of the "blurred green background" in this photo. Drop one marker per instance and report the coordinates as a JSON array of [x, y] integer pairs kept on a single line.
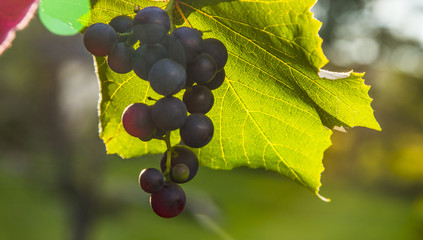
[[56, 182]]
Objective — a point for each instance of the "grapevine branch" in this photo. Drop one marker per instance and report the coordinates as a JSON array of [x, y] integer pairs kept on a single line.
[[169, 10], [168, 156]]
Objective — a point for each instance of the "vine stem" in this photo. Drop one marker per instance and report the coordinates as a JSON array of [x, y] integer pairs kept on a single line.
[[128, 35], [168, 156], [169, 10]]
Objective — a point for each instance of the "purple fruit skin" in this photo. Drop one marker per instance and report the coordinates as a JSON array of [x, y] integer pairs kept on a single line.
[[184, 155], [137, 120], [99, 39], [151, 180], [169, 202]]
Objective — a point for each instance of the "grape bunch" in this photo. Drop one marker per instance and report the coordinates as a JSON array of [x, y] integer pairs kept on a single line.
[[171, 61]]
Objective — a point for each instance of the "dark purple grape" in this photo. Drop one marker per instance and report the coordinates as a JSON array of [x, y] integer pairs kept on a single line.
[[137, 121], [167, 77], [169, 113], [181, 155], [99, 39], [202, 69], [121, 24], [190, 39], [169, 202], [217, 50], [145, 56], [217, 81], [197, 130], [153, 15], [198, 99], [151, 180], [151, 25], [119, 58]]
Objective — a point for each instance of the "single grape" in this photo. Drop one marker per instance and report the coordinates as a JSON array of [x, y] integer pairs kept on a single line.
[[202, 69], [153, 15], [180, 172], [217, 81], [169, 113], [151, 24], [145, 56], [197, 130], [151, 180], [168, 202], [181, 155], [99, 39], [198, 99], [119, 58], [137, 121], [121, 24], [217, 50], [190, 39], [167, 77]]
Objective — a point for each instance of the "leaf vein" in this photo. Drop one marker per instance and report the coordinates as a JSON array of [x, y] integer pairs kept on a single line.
[[265, 137], [114, 93]]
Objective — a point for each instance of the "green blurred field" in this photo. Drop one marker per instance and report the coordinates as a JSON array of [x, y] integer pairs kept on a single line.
[[241, 204]]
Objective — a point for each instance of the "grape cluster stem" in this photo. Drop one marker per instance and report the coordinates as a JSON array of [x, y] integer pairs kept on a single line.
[[166, 174], [169, 10]]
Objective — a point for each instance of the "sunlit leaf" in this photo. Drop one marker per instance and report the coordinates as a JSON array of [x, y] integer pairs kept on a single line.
[[275, 108]]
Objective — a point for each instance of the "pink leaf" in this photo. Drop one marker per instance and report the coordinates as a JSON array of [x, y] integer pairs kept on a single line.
[[14, 15]]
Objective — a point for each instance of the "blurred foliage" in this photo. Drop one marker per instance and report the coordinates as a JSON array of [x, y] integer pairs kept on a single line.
[[56, 181]]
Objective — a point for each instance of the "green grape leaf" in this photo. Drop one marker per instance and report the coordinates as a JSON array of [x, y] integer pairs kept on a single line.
[[276, 107]]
